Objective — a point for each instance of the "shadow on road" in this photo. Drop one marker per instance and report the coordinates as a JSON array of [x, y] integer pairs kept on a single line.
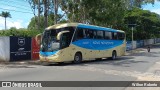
[[16, 66], [147, 54], [120, 61]]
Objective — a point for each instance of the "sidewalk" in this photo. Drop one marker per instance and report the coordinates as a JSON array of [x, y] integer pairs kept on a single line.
[[29, 62]]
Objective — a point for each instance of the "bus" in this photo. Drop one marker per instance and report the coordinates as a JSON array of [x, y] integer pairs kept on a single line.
[[77, 42]]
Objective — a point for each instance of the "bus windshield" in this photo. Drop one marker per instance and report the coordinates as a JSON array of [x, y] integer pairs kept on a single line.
[[50, 42]]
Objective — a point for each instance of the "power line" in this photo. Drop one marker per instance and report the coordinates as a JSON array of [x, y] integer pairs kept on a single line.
[[16, 11], [15, 6], [16, 3]]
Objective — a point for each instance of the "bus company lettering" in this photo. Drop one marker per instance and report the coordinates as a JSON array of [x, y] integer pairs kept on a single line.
[[85, 42], [103, 43]]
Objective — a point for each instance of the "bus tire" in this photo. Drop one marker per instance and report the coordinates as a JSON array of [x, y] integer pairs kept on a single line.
[[114, 55], [77, 58]]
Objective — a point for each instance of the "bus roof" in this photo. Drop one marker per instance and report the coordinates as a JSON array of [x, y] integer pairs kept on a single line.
[[80, 25], [57, 26]]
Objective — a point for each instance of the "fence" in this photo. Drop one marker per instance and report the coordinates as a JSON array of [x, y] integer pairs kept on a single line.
[[141, 43]]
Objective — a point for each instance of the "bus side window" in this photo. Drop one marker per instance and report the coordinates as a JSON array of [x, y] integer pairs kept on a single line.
[[94, 34], [100, 34], [86, 33], [65, 40], [79, 34], [121, 36], [108, 35], [90, 34], [114, 35], [70, 34]]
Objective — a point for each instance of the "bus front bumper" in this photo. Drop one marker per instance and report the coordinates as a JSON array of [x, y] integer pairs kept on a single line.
[[53, 58]]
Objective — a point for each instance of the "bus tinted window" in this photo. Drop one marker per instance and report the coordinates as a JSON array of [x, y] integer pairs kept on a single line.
[[90, 32], [83, 33], [79, 34], [94, 34], [86, 33], [108, 35], [121, 36], [100, 35], [114, 35]]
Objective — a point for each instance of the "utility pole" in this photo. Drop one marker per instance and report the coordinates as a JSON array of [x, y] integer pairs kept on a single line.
[[132, 28], [132, 36], [39, 14]]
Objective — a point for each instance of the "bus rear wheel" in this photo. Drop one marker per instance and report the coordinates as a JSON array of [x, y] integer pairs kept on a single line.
[[114, 55], [77, 58]]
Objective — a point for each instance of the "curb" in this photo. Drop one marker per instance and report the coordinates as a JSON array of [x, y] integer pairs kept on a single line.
[[30, 62]]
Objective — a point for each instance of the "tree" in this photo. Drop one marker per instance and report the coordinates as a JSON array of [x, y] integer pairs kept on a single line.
[[97, 12], [147, 23], [5, 15], [108, 13], [46, 7], [32, 24]]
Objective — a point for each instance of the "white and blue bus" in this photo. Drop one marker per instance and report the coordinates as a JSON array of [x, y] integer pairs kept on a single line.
[[79, 42]]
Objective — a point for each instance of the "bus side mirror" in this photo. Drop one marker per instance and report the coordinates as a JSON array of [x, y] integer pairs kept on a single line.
[[60, 34], [38, 39]]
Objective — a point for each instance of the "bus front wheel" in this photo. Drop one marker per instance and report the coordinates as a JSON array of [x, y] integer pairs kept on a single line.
[[114, 55], [77, 58]]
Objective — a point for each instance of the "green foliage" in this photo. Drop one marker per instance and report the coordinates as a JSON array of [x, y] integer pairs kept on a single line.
[[108, 13], [147, 23], [19, 32], [5, 14], [96, 12], [33, 24]]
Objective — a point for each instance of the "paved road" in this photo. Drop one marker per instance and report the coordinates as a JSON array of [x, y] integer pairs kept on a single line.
[[138, 66]]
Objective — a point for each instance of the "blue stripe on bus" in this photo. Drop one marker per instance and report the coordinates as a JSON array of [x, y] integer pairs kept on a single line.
[[97, 28], [94, 44], [48, 53]]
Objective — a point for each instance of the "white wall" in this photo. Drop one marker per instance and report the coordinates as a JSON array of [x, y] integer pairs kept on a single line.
[[134, 44], [148, 41], [4, 48], [157, 40]]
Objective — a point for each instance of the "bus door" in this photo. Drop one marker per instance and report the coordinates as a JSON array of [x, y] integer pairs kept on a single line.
[[65, 39]]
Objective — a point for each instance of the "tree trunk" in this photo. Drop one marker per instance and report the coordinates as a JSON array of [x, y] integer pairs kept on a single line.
[[45, 13], [38, 26], [55, 11]]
